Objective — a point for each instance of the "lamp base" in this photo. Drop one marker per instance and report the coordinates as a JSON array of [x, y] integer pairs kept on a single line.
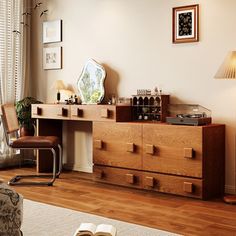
[[230, 199], [58, 96]]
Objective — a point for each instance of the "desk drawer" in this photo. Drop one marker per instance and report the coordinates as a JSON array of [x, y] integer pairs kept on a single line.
[[118, 176], [93, 112], [101, 113], [51, 111]]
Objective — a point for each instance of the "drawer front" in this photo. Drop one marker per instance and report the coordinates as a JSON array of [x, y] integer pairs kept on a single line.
[[122, 177], [93, 112], [173, 149], [117, 144], [51, 111], [173, 184]]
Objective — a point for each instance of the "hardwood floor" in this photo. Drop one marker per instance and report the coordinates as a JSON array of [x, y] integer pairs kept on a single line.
[[167, 212]]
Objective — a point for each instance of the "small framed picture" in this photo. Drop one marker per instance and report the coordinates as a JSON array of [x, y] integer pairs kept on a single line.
[[52, 58], [52, 31], [185, 22]]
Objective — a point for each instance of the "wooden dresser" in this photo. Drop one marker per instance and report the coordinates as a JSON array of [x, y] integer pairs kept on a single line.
[[177, 159], [183, 160]]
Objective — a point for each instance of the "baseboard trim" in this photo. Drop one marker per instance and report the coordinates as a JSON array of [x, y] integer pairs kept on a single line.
[[230, 189]]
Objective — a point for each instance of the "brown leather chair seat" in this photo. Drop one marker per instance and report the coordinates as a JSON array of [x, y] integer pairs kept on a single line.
[[35, 142]]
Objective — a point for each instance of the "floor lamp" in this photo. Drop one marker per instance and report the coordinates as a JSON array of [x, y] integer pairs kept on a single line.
[[228, 71]]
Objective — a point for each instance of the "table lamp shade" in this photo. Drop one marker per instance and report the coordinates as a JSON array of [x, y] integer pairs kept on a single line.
[[59, 85], [228, 68]]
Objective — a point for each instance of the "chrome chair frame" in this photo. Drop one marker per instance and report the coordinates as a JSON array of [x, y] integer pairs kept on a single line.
[[15, 179]]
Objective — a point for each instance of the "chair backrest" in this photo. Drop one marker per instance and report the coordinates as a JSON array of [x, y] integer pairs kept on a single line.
[[9, 118]]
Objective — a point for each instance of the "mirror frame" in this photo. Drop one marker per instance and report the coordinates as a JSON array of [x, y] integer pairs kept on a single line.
[[91, 83]]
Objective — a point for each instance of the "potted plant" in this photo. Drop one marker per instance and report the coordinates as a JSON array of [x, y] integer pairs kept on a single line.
[[23, 110]]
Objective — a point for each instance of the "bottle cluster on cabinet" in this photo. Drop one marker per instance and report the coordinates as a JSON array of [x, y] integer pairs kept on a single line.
[[150, 107]]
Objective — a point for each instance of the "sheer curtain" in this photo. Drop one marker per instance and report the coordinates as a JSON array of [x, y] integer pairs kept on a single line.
[[13, 52]]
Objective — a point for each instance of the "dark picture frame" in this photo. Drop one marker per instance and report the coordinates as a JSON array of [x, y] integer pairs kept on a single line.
[[185, 24]]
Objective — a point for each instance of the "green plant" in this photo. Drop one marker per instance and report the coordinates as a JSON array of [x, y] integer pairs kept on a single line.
[[23, 111]]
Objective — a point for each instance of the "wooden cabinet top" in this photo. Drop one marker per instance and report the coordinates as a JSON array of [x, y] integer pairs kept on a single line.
[[82, 112], [100, 112]]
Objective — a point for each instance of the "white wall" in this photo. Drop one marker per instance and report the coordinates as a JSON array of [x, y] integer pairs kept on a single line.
[[133, 40]]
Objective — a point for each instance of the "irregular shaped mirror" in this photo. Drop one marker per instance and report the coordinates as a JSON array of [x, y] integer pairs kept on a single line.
[[91, 83]]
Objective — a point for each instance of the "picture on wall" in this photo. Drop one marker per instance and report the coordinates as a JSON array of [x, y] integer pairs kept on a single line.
[[185, 22], [52, 58], [52, 31]]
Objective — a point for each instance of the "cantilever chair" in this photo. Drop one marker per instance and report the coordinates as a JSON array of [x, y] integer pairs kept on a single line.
[[11, 128]]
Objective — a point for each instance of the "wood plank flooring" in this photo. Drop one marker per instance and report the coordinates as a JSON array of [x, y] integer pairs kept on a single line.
[[176, 214]]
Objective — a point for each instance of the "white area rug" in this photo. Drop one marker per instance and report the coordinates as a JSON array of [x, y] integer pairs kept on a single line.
[[47, 220]]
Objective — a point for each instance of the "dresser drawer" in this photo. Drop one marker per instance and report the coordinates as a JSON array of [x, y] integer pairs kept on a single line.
[[122, 177], [173, 149], [93, 112], [101, 113], [51, 111], [117, 144], [173, 184]]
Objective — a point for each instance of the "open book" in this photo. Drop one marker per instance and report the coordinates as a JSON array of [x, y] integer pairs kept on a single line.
[[90, 229]]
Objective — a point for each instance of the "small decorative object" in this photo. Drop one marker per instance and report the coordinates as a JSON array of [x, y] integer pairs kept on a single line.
[[148, 92], [52, 58], [28, 13], [124, 101], [91, 83], [43, 12], [59, 85], [23, 111], [185, 24], [76, 99], [155, 91], [143, 92], [113, 99], [52, 31]]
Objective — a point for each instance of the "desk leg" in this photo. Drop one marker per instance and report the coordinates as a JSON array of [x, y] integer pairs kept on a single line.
[[47, 127]]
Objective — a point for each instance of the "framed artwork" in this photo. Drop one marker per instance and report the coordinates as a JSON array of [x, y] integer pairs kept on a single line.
[[185, 22], [52, 58], [52, 31]]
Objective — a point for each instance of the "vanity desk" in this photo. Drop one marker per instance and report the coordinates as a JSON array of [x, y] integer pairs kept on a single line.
[[177, 159]]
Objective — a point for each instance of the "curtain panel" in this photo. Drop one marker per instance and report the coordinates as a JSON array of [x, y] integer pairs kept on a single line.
[[14, 53]]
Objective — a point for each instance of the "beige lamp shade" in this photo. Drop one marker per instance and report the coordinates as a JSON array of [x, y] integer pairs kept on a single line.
[[67, 92], [59, 85], [228, 68]]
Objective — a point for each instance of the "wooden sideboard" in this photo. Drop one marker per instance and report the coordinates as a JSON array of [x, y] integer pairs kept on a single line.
[[177, 159]]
